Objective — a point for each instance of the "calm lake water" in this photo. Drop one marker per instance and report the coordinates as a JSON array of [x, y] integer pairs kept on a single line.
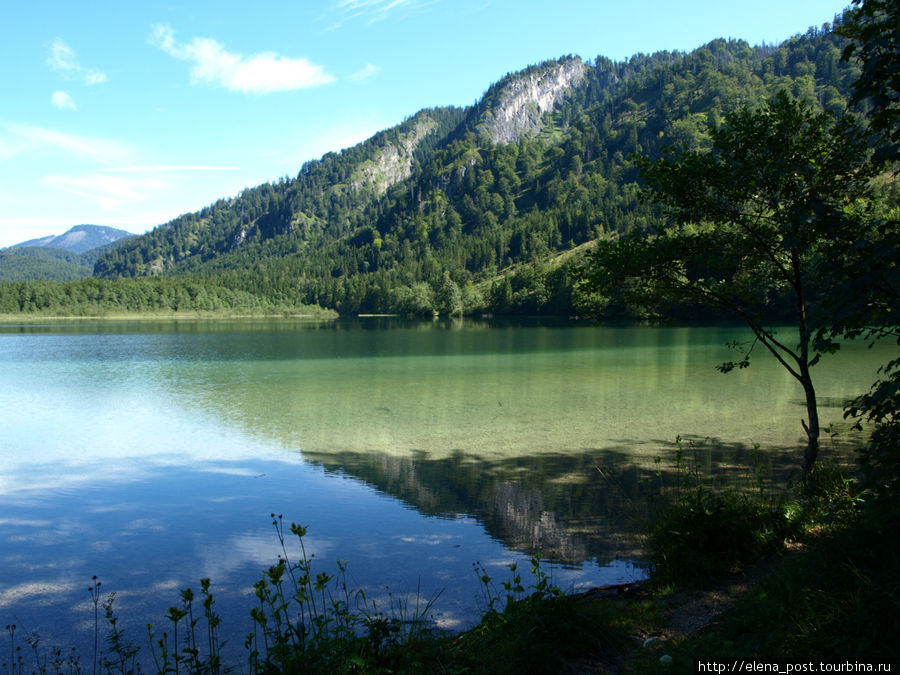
[[151, 454]]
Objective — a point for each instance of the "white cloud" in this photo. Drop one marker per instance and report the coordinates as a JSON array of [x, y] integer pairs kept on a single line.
[[262, 73], [368, 71], [62, 101], [62, 59]]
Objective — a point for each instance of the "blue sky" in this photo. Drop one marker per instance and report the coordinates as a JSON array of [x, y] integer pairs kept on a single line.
[[131, 113]]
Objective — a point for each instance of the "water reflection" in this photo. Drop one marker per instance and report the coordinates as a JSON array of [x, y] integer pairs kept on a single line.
[[569, 507], [153, 454]]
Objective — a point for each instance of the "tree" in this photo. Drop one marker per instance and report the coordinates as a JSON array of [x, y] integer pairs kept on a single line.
[[866, 293], [873, 27], [447, 296], [744, 230]]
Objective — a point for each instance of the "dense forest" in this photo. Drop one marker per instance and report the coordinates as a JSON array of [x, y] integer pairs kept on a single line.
[[451, 211], [38, 263]]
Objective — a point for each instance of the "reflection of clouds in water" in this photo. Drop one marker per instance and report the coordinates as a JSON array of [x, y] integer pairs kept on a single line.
[[20, 476], [165, 585], [230, 471], [258, 550], [48, 533], [504, 562], [36, 592], [111, 508], [151, 524], [22, 522], [132, 432], [428, 539]]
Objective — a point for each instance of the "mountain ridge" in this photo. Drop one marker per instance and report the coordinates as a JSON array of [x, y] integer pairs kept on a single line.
[[65, 257], [79, 239], [461, 208]]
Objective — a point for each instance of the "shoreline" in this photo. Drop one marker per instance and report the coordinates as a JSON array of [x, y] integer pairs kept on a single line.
[[16, 319]]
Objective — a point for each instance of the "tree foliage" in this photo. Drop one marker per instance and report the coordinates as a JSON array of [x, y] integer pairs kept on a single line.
[[41, 263], [874, 30], [866, 293], [746, 225], [155, 295]]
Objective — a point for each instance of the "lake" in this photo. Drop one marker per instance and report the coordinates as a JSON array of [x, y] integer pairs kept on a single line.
[[152, 454]]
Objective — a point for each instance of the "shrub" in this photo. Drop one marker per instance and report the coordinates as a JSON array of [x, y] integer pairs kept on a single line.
[[705, 534]]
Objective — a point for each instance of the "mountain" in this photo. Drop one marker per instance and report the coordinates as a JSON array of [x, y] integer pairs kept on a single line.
[[64, 257], [80, 238], [483, 208]]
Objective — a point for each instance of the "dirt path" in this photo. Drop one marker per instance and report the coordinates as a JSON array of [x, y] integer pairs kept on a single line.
[[682, 614]]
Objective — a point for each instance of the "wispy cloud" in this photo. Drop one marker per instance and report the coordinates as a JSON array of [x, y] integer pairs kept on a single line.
[[62, 101], [62, 59], [108, 192], [111, 188], [262, 73], [8, 149], [375, 10], [117, 189], [367, 72], [23, 138], [170, 168]]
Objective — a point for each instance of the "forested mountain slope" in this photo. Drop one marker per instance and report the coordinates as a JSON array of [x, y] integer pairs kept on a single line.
[[28, 263], [470, 209]]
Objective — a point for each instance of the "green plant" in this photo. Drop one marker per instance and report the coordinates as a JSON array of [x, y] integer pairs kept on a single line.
[[830, 495], [837, 597], [697, 533], [123, 652], [170, 657], [535, 630], [313, 622]]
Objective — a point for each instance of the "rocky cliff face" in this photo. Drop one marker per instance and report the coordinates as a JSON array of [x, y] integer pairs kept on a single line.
[[520, 102], [393, 163]]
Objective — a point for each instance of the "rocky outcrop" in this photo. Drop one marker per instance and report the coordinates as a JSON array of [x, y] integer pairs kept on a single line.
[[519, 104], [393, 163]]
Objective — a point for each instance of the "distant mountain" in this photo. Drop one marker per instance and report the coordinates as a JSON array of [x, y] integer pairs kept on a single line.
[[63, 257], [80, 238]]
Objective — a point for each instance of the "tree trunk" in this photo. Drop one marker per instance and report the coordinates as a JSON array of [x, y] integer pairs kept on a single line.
[[812, 426], [812, 412]]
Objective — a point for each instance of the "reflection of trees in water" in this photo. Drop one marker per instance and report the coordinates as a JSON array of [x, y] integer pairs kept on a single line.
[[550, 504], [592, 505]]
